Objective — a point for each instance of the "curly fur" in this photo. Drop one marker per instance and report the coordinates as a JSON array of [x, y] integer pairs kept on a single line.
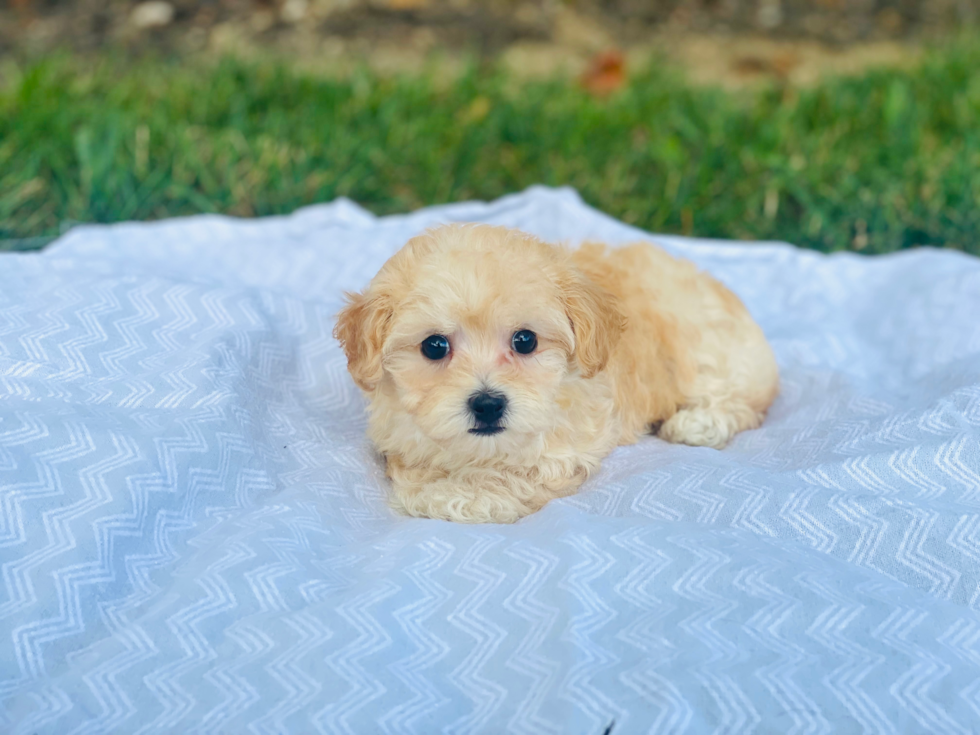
[[629, 340]]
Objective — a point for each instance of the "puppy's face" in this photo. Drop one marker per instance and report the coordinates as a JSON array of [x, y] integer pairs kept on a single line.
[[470, 331]]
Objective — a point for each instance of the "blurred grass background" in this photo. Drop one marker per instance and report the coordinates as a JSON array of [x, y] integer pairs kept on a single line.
[[886, 160]]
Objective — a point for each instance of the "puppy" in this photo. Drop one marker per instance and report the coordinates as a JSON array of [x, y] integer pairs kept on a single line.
[[500, 370]]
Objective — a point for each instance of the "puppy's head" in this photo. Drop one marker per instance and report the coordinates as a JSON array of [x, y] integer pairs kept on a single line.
[[469, 331]]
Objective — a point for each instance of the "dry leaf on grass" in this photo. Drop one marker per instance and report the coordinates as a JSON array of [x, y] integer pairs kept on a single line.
[[606, 73]]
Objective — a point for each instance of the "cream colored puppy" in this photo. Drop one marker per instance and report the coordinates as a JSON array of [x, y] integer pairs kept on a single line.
[[500, 369]]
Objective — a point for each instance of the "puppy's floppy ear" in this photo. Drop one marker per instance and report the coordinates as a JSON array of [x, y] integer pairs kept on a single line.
[[596, 321], [361, 329]]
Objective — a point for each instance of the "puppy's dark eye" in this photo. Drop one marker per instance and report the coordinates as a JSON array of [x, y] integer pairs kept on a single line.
[[524, 342], [435, 347]]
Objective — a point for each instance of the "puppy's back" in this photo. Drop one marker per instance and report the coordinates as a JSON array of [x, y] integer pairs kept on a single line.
[[688, 339]]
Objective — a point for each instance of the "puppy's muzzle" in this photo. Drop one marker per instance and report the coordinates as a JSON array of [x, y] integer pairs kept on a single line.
[[488, 409]]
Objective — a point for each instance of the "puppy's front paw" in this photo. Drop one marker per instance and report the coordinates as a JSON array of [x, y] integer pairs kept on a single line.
[[698, 427]]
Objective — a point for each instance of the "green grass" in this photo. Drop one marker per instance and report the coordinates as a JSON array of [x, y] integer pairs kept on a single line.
[[886, 161]]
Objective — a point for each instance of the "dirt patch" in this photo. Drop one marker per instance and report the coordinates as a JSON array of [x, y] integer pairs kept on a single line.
[[731, 42]]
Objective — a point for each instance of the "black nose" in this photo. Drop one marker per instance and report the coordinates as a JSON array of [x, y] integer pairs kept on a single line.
[[487, 407]]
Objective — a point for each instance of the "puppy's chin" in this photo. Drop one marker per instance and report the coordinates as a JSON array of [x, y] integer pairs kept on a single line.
[[468, 438], [450, 432], [489, 430], [502, 443]]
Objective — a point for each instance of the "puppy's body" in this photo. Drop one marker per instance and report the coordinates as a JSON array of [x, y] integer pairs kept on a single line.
[[690, 360], [628, 340]]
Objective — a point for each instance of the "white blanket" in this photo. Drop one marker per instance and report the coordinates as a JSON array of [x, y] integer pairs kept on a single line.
[[194, 536]]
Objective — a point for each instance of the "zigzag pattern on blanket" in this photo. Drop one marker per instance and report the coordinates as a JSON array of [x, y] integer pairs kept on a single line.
[[194, 537]]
